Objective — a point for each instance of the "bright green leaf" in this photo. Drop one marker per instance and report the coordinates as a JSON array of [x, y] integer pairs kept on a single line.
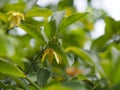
[[57, 87], [10, 69], [3, 17], [33, 31], [38, 12], [18, 7], [72, 19], [50, 29]]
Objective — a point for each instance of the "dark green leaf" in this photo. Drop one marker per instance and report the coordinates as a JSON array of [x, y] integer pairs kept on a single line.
[[2, 86], [42, 76], [22, 83], [71, 19], [97, 45]]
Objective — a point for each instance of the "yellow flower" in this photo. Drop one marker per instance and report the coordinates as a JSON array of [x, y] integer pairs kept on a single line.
[[50, 53], [15, 18]]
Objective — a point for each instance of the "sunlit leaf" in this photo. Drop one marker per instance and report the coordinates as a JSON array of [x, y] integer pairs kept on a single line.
[[71, 19], [33, 31], [10, 69], [50, 29], [3, 17], [38, 12], [57, 87], [19, 7]]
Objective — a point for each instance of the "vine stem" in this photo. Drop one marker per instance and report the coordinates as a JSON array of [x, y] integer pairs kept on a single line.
[[34, 60]]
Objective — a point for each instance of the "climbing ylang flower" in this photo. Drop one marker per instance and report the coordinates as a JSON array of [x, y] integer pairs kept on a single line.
[[15, 18], [51, 54]]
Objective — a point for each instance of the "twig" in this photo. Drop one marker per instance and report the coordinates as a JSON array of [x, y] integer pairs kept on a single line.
[[34, 60]]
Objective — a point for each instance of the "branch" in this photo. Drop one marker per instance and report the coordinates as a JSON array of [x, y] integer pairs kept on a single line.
[[34, 60]]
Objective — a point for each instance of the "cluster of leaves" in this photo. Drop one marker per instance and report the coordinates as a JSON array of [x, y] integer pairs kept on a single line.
[[51, 54]]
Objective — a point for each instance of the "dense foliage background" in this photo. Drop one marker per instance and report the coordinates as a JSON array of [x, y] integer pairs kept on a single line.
[[56, 50]]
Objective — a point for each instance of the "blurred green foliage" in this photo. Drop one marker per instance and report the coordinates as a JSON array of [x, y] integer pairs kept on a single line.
[[58, 34]]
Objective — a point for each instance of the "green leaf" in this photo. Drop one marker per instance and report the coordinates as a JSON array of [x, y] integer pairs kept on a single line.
[[30, 3], [71, 19], [33, 31], [58, 17], [81, 53], [110, 27], [42, 76], [3, 50], [22, 82], [57, 87], [10, 69], [38, 12], [18, 7], [34, 22], [70, 59], [65, 3], [97, 45], [2, 86], [3, 17], [75, 85], [50, 29]]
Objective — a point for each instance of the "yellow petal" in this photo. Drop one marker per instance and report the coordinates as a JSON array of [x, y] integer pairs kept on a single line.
[[50, 57], [15, 18], [44, 54], [57, 57]]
